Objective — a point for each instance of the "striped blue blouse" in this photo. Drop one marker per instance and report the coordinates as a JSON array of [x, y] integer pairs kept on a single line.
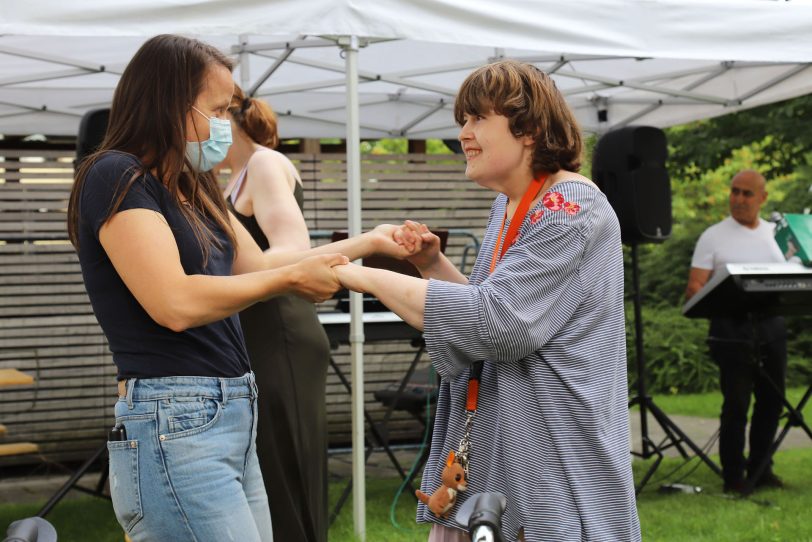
[[552, 427]]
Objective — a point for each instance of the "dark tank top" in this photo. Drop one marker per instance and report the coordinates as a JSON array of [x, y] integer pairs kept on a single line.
[[296, 323]]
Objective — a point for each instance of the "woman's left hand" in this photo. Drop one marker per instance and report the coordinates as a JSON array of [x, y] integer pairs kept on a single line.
[[315, 278]]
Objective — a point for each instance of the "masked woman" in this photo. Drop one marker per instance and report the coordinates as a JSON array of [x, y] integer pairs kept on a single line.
[[167, 267]]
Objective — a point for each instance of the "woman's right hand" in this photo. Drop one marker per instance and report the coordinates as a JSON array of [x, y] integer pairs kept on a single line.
[[315, 279], [423, 245]]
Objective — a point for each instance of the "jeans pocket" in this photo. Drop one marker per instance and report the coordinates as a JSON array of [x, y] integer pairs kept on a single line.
[[188, 417], [124, 482]]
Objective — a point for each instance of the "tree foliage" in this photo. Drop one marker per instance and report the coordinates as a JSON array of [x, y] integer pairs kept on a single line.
[[784, 129]]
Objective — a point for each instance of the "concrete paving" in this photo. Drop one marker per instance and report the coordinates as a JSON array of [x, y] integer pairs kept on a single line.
[[700, 431]]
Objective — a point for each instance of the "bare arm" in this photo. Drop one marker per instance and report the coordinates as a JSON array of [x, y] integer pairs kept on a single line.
[[250, 258], [144, 252], [274, 206], [443, 269], [270, 189], [697, 278], [404, 295]]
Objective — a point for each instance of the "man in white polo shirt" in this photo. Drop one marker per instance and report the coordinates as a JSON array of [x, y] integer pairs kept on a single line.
[[743, 237]]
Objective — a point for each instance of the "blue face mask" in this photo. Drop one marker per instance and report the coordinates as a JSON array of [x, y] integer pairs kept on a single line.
[[204, 155]]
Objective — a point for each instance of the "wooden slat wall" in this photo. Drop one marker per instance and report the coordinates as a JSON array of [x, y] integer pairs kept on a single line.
[[47, 327]]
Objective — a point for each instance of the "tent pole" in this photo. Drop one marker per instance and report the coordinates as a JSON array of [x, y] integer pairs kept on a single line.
[[245, 58], [350, 47]]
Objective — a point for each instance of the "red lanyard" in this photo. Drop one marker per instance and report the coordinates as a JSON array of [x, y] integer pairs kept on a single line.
[[513, 230], [516, 221]]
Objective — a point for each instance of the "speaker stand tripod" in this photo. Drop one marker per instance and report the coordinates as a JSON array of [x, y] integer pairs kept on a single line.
[[674, 436], [72, 483]]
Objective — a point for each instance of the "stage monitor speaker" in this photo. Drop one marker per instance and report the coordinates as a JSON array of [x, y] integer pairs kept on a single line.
[[92, 128], [628, 165]]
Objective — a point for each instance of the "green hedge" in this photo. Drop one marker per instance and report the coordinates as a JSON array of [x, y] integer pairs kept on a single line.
[[676, 353]]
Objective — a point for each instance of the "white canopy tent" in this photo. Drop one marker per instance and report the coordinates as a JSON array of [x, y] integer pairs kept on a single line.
[[384, 68], [638, 61]]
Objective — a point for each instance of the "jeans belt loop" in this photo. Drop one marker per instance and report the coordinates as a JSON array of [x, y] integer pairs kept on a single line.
[[224, 390], [130, 386], [252, 379]]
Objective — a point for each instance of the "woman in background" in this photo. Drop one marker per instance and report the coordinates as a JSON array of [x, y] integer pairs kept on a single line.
[[287, 345]]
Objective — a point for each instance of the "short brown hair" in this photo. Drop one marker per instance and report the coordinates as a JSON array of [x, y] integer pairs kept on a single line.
[[255, 118], [533, 105]]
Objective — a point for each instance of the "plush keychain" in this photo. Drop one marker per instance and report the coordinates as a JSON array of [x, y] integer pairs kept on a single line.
[[444, 497]]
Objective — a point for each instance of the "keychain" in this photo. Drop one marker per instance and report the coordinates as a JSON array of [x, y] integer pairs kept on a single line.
[[453, 480], [455, 474]]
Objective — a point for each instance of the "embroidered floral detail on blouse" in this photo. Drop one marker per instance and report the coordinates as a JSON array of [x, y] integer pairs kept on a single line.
[[535, 217], [571, 208], [553, 201]]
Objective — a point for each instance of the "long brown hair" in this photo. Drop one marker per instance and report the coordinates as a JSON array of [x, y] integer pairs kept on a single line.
[[255, 118], [533, 105], [147, 120]]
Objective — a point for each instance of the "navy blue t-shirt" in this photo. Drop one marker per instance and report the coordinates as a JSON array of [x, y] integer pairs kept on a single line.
[[141, 347]]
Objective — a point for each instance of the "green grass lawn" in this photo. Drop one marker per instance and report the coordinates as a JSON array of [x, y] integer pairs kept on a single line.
[[710, 516], [770, 516], [708, 405]]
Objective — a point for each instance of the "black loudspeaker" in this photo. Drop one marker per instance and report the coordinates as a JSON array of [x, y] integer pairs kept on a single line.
[[92, 128], [628, 165]]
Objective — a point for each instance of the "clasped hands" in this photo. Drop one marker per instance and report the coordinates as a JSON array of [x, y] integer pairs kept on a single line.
[[321, 276]]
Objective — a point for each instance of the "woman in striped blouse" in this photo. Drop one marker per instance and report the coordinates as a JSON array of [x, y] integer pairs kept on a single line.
[[539, 321]]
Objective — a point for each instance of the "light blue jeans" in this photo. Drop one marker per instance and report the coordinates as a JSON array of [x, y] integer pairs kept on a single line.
[[188, 470]]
